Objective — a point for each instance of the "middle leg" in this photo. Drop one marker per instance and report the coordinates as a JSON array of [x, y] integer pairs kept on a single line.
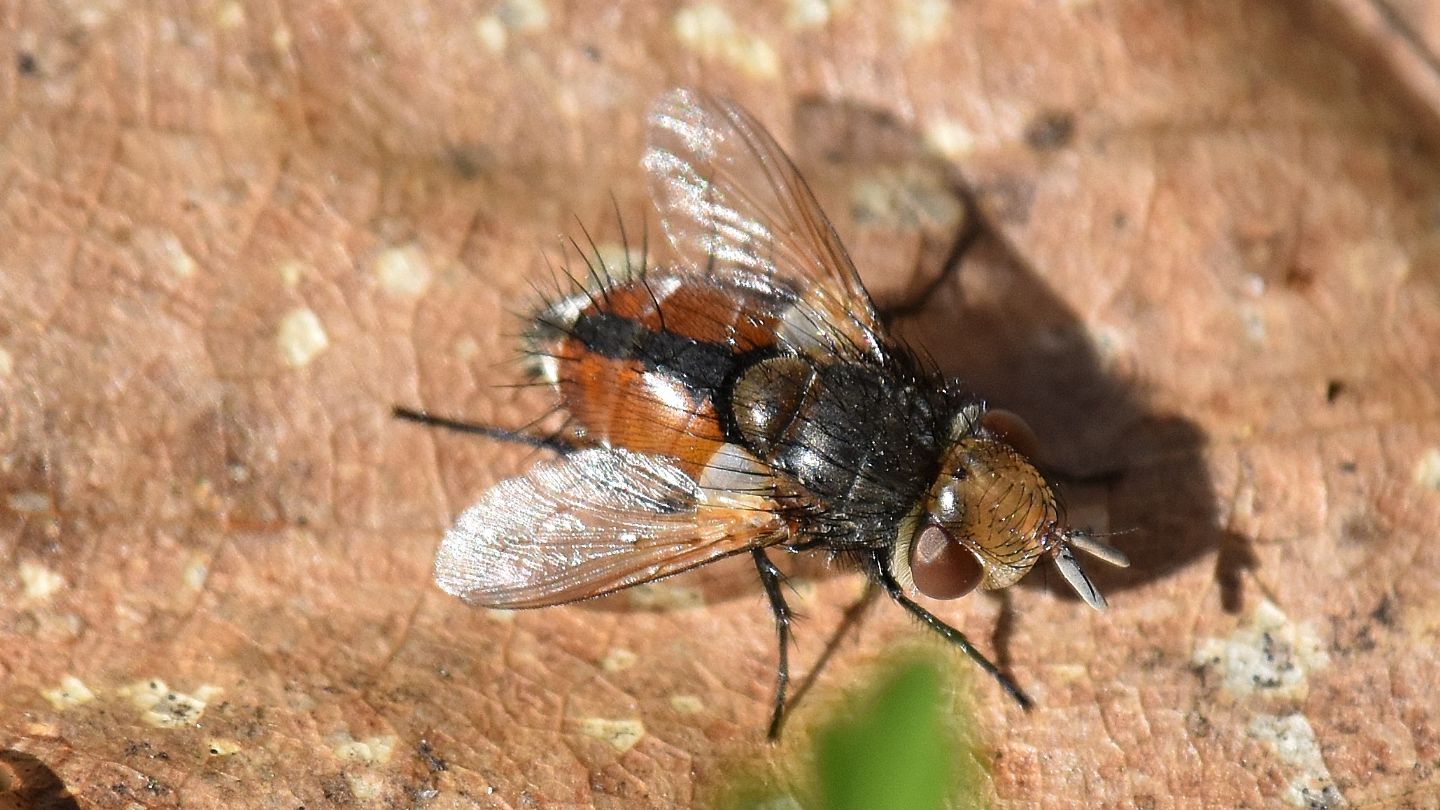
[[771, 578]]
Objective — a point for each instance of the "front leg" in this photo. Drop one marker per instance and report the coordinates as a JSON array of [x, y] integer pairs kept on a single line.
[[879, 564], [771, 577]]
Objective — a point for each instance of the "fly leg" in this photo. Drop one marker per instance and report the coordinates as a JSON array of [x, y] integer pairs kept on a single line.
[[770, 577], [973, 228], [881, 568], [559, 444]]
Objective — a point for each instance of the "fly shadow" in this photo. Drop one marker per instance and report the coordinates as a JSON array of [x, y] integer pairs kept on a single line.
[[26, 782], [988, 318]]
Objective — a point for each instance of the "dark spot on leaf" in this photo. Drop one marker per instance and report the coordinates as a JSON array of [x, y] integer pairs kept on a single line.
[[427, 755], [470, 161], [1299, 278], [1334, 389], [1361, 530], [1008, 199], [1050, 130], [1384, 613], [26, 64]]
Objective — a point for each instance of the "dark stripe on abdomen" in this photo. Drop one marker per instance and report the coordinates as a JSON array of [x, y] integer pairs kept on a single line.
[[702, 367]]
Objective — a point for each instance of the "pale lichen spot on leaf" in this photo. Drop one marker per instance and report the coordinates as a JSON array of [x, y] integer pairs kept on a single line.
[[39, 582], [301, 337], [686, 704], [162, 707], [622, 735], [293, 271], [523, 15], [403, 271], [1292, 739], [1268, 655], [616, 261], [804, 589], [1427, 471], [230, 15], [70, 693], [94, 14], [375, 750], [221, 747], [195, 574], [805, 14], [1252, 321], [29, 502], [919, 22], [167, 250], [364, 786], [7, 363], [950, 138], [500, 615], [664, 596], [467, 348], [907, 197], [1068, 673], [710, 31], [491, 33], [618, 660]]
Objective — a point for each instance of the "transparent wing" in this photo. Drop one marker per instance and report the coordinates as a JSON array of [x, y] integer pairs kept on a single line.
[[731, 200], [589, 523]]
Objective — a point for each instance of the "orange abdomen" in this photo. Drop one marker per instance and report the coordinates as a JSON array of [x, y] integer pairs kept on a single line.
[[640, 366]]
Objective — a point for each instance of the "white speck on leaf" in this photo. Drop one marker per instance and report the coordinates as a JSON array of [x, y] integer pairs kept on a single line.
[[70, 693], [293, 271], [374, 750], [301, 337], [950, 138], [165, 247], [618, 660], [919, 22], [220, 747], [686, 704], [163, 707], [40, 583], [195, 574], [1427, 472], [814, 13], [403, 271], [7, 364], [231, 15], [523, 15], [709, 30], [491, 33]]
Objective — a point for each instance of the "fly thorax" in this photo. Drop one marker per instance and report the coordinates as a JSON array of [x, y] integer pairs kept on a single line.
[[767, 399]]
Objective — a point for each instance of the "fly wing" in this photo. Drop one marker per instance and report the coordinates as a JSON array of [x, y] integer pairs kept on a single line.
[[592, 522], [731, 200]]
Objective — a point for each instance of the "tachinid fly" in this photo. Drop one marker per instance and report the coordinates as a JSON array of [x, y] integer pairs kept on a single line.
[[746, 399]]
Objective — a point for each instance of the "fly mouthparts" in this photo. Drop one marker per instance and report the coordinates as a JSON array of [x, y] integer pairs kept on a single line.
[[1097, 548], [1070, 569]]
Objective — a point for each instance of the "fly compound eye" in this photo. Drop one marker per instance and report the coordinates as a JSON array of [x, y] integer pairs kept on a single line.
[[942, 568], [1013, 430]]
